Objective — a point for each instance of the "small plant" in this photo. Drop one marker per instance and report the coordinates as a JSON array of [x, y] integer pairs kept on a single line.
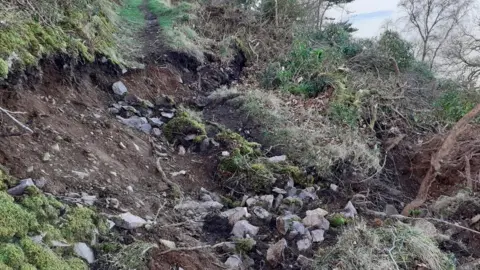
[[454, 104], [244, 245], [415, 212]]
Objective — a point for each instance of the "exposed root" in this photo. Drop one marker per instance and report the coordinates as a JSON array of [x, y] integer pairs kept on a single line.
[[194, 248], [9, 114]]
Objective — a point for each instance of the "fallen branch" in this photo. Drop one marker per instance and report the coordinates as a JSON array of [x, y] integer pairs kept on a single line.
[[394, 142], [435, 164], [468, 173], [194, 248], [9, 114]]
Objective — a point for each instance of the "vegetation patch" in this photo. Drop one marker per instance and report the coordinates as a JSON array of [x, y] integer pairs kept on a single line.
[[397, 246], [182, 125]]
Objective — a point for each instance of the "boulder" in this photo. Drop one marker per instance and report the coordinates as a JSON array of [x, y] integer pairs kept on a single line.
[[275, 252]]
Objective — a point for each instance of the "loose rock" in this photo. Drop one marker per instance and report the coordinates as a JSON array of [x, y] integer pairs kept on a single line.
[[40, 183], [334, 187], [85, 252], [156, 122], [316, 221], [119, 88], [235, 214], [168, 244], [277, 159], [308, 193], [156, 132], [318, 211], [46, 157], [279, 190], [168, 115], [304, 261], [243, 228], [234, 262], [283, 223], [260, 212], [181, 150], [304, 244], [20, 188], [349, 211], [56, 147], [275, 252], [129, 221], [390, 210], [317, 236]]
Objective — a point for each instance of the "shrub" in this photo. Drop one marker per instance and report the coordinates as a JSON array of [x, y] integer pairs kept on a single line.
[[399, 49], [454, 104]]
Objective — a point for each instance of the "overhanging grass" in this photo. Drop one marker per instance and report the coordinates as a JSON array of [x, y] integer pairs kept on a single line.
[[397, 246], [131, 12]]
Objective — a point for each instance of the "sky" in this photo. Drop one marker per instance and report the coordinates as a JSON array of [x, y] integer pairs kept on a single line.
[[368, 16]]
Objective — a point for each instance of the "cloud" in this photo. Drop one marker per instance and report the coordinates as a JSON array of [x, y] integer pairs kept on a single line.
[[382, 14]]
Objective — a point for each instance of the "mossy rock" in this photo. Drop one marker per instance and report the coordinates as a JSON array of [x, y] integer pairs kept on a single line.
[[244, 245], [235, 142], [183, 125], [81, 225]]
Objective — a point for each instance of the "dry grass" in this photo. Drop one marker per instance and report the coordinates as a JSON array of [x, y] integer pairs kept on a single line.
[[397, 246], [304, 135]]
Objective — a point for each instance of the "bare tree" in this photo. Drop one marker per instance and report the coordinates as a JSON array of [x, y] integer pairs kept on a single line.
[[463, 53], [434, 22]]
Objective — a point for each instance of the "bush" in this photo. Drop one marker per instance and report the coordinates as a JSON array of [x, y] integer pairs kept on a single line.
[[454, 104], [399, 49]]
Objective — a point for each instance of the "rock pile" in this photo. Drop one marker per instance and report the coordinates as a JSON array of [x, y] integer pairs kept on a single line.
[[139, 113]]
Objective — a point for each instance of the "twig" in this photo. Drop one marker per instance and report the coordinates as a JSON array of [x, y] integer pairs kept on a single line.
[[172, 185], [194, 248], [8, 113], [392, 248]]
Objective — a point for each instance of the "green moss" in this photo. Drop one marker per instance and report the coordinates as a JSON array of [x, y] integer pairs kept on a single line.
[[293, 201], [3, 68], [6, 180], [234, 141], [45, 208], [110, 247], [26, 266], [80, 226], [5, 267], [199, 139], [244, 245], [338, 220], [11, 255], [14, 220], [183, 125], [45, 259]]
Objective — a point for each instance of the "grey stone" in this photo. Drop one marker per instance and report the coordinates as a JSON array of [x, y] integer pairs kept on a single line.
[[83, 251], [316, 221], [199, 206], [181, 150], [146, 128], [136, 122], [129, 110], [190, 137], [475, 219], [81, 175], [156, 132], [225, 154], [169, 244], [279, 190], [304, 261], [275, 252], [88, 199], [243, 228], [129, 221], [46, 157], [119, 88], [317, 236], [113, 203], [113, 110], [318, 211], [206, 198], [168, 115], [234, 262], [40, 183], [304, 244], [308, 193], [334, 187], [56, 243], [283, 222], [278, 201], [260, 212], [390, 210], [156, 122], [349, 211], [277, 159], [296, 229], [20, 188], [235, 214], [56, 147], [111, 224]]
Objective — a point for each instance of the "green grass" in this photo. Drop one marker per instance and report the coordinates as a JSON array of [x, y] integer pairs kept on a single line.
[[131, 12]]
